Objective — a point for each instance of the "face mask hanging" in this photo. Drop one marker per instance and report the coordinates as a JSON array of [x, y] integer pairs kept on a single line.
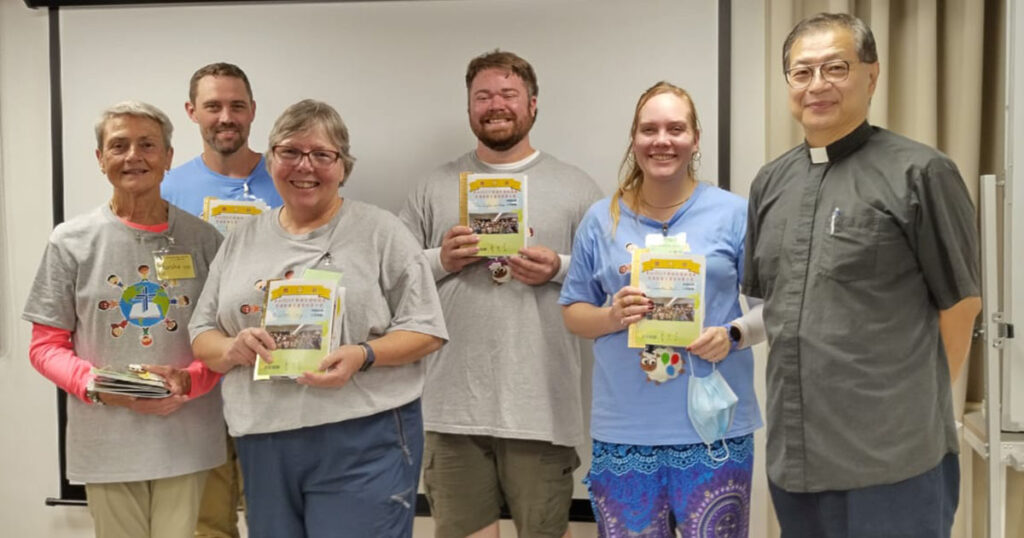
[[711, 406]]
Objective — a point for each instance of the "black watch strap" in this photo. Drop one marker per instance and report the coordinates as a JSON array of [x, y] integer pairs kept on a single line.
[[370, 357], [734, 334]]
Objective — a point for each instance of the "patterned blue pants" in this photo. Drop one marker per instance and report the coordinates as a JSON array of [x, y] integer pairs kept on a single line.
[[650, 491]]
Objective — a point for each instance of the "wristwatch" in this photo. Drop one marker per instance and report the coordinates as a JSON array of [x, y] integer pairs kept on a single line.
[[370, 357], [735, 335]]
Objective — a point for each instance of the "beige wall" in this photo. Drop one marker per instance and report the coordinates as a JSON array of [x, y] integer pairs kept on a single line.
[[28, 444], [748, 153]]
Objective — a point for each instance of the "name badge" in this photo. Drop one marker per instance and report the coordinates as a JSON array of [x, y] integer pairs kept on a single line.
[[174, 266]]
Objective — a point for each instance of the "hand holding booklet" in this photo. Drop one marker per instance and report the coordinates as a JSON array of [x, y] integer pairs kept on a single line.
[[303, 317], [494, 206], [674, 279], [134, 382]]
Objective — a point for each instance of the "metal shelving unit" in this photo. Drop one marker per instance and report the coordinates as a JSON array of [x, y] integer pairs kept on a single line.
[[1005, 448], [996, 432]]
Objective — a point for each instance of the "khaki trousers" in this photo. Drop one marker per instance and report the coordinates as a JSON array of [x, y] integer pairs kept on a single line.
[[162, 508], [218, 510]]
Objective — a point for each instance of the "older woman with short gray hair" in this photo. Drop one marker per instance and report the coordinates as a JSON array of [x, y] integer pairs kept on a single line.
[[104, 298], [336, 451]]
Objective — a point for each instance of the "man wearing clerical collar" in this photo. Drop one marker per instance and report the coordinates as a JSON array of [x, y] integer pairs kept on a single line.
[[863, 245]]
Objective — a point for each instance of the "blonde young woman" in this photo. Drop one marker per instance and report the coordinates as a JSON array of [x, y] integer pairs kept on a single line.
[[651, 473]]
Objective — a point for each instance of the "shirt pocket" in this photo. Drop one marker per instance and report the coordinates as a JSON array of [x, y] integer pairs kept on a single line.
[[849, 249], [895, 255]]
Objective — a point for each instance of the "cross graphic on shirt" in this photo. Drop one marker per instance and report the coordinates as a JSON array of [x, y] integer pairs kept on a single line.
[[146, 295]]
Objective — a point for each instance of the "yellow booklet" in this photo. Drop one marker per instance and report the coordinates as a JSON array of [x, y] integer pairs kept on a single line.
[[674, 280], [494, 206], [300, 315], [226, 214]]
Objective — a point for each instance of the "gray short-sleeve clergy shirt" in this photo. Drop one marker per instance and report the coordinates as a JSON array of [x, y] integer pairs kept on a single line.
[[856, 248]]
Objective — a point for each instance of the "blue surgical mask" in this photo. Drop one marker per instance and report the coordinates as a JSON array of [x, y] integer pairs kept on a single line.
[[711, 407]]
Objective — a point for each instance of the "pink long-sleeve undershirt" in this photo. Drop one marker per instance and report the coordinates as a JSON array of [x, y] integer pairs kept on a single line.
[[52, 354]]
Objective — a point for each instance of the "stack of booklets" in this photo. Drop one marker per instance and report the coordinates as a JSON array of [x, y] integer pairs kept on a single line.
[[133, 382]]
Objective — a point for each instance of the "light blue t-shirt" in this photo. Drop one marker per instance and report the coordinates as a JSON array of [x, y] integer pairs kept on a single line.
[[627, 408], [186, 186]]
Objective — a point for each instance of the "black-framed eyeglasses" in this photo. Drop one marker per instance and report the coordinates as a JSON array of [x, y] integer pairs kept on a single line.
[[833, 71], [319, 158]]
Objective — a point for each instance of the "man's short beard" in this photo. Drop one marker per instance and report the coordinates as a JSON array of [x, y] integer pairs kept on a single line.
[[504, 144], [229, 151], [226, 150]]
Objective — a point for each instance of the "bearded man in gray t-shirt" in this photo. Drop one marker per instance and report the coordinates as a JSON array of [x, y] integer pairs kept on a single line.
[[501, 405]]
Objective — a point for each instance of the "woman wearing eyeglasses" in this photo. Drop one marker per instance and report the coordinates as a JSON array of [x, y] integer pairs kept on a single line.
[[337, 450]]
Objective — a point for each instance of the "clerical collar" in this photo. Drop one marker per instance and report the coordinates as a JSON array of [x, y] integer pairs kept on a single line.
[[842, 147]]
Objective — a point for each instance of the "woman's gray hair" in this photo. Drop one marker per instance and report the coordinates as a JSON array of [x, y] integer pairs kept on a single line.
[[308, 114], [139, 110]]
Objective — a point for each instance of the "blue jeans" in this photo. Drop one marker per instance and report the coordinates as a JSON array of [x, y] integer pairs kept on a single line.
[[354, 478], [921, 506]]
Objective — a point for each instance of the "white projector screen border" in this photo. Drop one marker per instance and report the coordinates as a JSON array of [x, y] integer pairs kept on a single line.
[[395, 72]]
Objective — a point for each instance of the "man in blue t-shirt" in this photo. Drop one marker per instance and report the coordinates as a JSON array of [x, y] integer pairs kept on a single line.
[[220, 102]]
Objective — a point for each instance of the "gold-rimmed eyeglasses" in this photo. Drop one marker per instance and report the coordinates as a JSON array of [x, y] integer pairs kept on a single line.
[[833, 71], [319, 158]]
